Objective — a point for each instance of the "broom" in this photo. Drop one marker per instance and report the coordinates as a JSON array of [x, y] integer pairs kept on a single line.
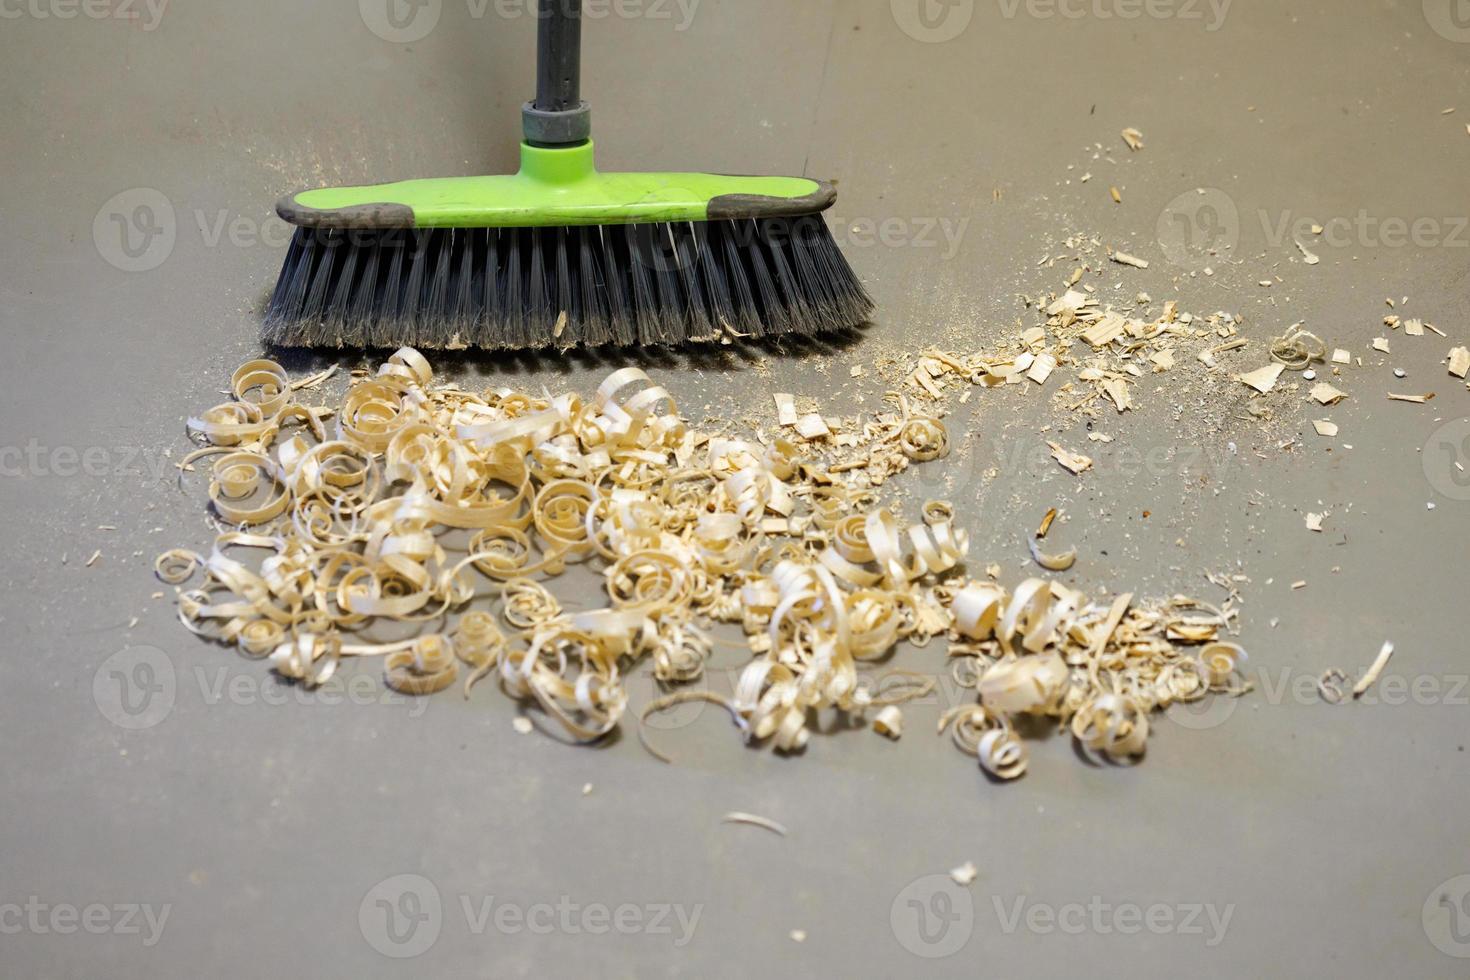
[[560, 255]]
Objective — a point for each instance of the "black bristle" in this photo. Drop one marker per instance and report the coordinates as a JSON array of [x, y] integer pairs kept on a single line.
[[646, 284]]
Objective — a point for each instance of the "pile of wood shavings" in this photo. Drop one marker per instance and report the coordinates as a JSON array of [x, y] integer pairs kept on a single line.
[[427, 497]]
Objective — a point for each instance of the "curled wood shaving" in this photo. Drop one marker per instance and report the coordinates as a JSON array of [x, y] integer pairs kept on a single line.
[[1053, 563], [755, 821], [449, 514]]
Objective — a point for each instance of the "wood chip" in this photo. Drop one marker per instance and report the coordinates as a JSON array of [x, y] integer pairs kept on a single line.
[[1325, 428], [1075, 462], [1104, 331], [1370, 678], [856, 372], [1133, 138], [798, 935], [1117, 390], [965, 874], [1314, 522], [1262, 379], [1341, 356], [95, 555], [1380, 344], [1307, 255], [1072, 301], [1298, 585], [1460, 362], [1046, 523], [1325, 394], [1412, 399], [889, 722], [813, 426], [750, 819], [523, 725], [785, 409], [1163, 360], [1123, 258], [1117, 195], [1042, 368], [1414, 328]]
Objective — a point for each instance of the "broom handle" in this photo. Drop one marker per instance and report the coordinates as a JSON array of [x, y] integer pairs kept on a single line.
[[558, 117], [559, 55]]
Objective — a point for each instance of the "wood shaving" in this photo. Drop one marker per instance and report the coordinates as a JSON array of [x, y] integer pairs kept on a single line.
[[1413, 399], [1124, 258], [93, 560], [1371, 678], [424, 494], [752, 820]]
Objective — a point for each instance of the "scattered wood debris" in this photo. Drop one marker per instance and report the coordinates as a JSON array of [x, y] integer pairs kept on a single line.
[[1308, 256], [1133, 138], [1124, 258], [1414, 328], [1326, 394], [1380, 344], [1325, 428], [1341, 356]]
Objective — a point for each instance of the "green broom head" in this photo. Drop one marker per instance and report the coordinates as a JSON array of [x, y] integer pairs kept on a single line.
[[561, 255]]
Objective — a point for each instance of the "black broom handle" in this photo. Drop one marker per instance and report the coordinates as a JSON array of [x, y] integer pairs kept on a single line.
[[559, 55], [558, 116]]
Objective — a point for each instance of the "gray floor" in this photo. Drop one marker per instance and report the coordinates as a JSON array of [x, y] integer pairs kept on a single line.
[[270, 829]]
